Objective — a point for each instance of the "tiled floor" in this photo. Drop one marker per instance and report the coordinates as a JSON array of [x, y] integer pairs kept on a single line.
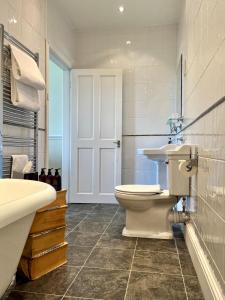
[[104, 265]]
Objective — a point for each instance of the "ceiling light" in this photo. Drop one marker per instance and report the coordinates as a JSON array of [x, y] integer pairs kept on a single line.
[[128, 43], [121, 9], [13, 20]]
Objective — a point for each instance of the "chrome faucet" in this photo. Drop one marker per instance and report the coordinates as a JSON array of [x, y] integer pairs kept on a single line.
[[180, 139], [175, 124]]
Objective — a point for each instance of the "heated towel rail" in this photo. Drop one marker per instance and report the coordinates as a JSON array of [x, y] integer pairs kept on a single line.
[[18, 127]]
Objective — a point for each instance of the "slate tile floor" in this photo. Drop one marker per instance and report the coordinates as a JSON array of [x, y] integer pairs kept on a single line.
[[104, 265]]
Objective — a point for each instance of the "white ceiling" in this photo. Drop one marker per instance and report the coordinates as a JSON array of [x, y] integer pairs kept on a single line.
[[104, 14]]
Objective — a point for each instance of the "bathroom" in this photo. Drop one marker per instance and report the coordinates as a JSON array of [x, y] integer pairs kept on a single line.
[[131, 110]]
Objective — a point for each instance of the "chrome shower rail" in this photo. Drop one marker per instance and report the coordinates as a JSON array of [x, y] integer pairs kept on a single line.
[[19, 127]]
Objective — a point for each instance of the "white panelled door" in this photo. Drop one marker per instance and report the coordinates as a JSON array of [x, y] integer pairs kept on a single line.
[[96, 132]]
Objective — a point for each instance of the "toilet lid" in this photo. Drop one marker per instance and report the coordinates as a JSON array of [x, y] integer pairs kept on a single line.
[[139, 189]]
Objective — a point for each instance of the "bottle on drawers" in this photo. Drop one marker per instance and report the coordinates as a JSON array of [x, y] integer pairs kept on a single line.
[[49, 177], [57, 181], [42, 176]]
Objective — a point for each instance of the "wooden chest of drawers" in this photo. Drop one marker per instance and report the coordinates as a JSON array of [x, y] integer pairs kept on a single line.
[[39, 242], [44, 262], [45, 249], [49, 219]]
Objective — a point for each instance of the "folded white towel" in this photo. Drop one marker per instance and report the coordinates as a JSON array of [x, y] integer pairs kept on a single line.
[[28, 167], [26, 81], [25, 69], [24, 96], [18, 164]]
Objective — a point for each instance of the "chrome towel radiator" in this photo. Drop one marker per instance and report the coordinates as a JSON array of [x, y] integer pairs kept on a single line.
[[18, 127]]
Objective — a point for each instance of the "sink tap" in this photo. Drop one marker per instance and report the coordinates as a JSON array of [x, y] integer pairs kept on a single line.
[[180, 139]]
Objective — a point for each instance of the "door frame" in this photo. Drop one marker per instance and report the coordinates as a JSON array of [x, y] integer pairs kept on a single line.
[[72, 125], [51, 54]]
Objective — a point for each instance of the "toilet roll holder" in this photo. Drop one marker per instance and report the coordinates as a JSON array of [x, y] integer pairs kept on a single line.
[[193, 162]]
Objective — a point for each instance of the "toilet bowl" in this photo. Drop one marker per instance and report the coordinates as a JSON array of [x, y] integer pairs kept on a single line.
[[147, 208]]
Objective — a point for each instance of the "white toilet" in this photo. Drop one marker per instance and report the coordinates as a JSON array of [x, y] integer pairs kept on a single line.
[[147, 206]]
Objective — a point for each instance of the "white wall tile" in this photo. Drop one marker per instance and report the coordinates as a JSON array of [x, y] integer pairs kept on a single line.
[[30, 30], [149, 66], [4, 13], [149, 85], [138, 168], [202, 42]]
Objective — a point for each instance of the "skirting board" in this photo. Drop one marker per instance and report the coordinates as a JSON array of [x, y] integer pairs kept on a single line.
[[210, 286]]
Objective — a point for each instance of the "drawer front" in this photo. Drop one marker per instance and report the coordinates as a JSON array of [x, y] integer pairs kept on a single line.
[[49, 219], [40, 242], [43, 264]]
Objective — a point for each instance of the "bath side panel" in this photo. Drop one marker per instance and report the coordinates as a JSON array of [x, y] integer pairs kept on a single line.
[[12, 241]]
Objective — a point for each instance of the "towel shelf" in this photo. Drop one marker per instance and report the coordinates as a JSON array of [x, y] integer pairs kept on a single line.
[[19, 127]]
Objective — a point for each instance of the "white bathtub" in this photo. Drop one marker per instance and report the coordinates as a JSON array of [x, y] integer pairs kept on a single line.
[[19, 200]]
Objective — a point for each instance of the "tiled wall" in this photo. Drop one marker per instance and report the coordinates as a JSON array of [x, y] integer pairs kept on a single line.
[[149, 87], [60, 33], [138, 168], [202, 41], [30, 30]]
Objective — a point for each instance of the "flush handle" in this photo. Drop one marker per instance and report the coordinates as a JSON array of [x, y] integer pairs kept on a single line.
[[117, 143]]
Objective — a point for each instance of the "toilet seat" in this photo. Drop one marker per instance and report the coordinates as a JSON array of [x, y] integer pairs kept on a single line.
[[141, 192], [143, 197], [135, 189], [147, 208]]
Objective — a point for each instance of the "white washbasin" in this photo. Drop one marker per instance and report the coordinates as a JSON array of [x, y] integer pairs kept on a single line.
[[162, 153], [19, 201], [157, 154]]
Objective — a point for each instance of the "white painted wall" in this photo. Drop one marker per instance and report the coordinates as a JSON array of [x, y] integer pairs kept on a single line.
[[149, 86], [202, 42], [55, 117], [61, 37], [30, 30]]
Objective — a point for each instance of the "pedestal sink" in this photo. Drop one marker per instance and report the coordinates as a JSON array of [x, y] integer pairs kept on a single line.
[[161, 154], [19, 200]]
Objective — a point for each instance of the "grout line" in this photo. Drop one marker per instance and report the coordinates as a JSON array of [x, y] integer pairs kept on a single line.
[[129, 249], [76, 226], [73, 297], [221, 160], [163, 252], [181, 271], [206, 68], [131, 269], [89, 255], [35, 293], [210, 207], [84, 218], [135, 271], [79, 246]]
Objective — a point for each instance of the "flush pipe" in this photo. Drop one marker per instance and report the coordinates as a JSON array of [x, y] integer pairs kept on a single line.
[[179, 216]]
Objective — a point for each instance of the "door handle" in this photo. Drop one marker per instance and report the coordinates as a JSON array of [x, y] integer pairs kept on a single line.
[[117, 143]]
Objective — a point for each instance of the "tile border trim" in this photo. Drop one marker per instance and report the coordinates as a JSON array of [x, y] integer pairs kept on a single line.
[[146, 134], [204, 113]]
